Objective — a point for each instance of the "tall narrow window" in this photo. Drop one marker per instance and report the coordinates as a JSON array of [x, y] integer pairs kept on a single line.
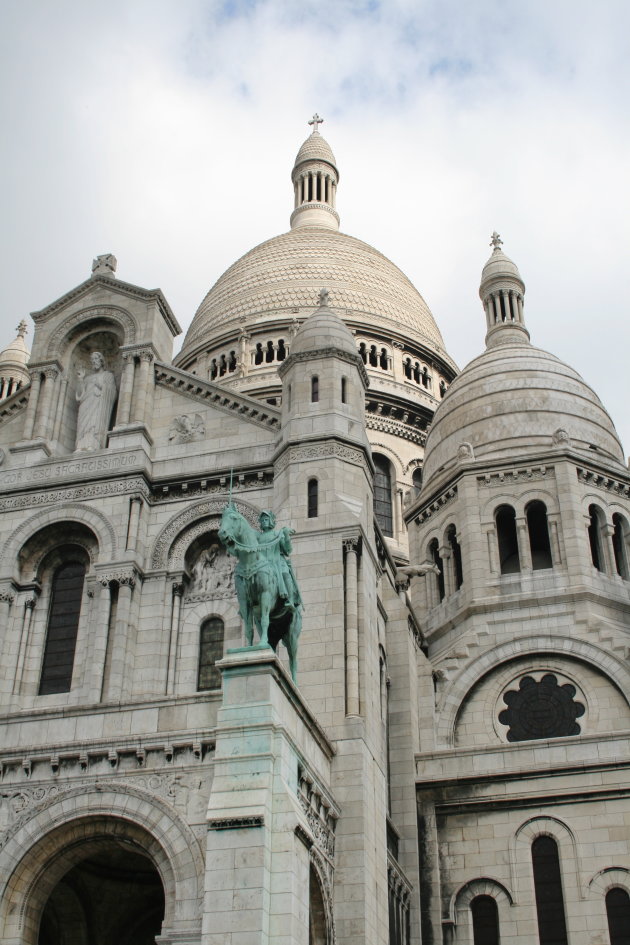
[[508, 542], [538, 528], [210, 651], [63, 624], [344, 391], [314, 389], [436, 558], [619, 545], [383, 495], [456, 557], [485, 920], [416, 478], [312, 495], [618, 913], [595, 537], [552, 927]]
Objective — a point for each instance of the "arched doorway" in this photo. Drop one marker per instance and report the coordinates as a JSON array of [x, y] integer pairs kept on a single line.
[[111, 892]]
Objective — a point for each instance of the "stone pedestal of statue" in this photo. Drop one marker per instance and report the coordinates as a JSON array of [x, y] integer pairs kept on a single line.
[[259, 838]]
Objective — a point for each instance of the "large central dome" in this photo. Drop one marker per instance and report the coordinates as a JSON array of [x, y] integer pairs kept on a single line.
[[282, 278]]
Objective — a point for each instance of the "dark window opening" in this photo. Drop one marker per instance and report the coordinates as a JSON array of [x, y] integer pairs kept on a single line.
[[416, 478], [363, 352], [312, 500], [552, 928], [373, 357], [269, 353], [456, 552], [595, 537], [436, 558], [282, 351], [619, 546], [344, 385], [508, 542], [618, 913], [383, 360], [214, 370], [538, 528], [407, 368], [541, 709], [416, 373], [210, 651], [232, 361], [383, 495], [63, 625], [222, 366], [314, 390], [425, 377], [442, 388], [258, 357], [485, 920]]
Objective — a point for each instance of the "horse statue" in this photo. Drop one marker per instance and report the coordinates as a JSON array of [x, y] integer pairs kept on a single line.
[[266, 588]]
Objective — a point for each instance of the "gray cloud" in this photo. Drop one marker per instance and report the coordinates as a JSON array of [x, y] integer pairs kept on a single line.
[[166, 132]]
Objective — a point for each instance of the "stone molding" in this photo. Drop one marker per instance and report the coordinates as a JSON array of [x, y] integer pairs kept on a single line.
[[189, 385], [512, 476], [321, 812], [605, 483], [90, 517], [209, 509], [329, 352], [76, 493], [236, 823], [17, 401], [320, 450], [59, 338], [436, 506], [396, 428]]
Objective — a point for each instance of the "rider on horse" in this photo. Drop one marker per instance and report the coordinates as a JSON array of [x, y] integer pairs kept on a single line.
[[275, 545]]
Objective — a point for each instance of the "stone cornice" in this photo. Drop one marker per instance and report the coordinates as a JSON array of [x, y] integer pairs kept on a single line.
[[16, 402], [212, 395], [602, 481], [114, 286], [374, 421]]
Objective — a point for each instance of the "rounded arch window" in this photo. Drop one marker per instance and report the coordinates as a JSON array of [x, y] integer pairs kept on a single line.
[[619, 539], [485, 920], [210, 652], [552, 927], [67, 582], [618, 915], [456, 556], [383, 507], [436, 558], [595, 525], [538, 530], [416, 479], [509, 558], [312, 497]]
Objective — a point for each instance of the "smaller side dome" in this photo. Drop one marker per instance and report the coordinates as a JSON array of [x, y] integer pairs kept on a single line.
[[502, 292], [324, 329], [13, 361]]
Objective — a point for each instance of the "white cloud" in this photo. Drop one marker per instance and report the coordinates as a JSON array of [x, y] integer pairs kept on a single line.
[[165, 133]]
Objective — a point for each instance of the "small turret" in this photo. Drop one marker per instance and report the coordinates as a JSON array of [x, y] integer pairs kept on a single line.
[[315, 178], [13, 361], [502, 291]]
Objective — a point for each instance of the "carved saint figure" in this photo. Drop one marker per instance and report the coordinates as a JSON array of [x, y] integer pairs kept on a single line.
[[96, 394], [275, 544]]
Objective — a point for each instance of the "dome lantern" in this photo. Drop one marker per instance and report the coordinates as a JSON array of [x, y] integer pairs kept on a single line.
[[502, 292], [315, 178]]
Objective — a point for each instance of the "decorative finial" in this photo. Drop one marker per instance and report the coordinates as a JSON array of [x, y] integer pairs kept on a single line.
[[496, 241], [104, 265], [21, 329], [323, 298], [315, 122]]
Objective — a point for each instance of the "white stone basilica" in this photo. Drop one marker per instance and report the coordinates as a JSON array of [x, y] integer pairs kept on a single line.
[[453, 764]]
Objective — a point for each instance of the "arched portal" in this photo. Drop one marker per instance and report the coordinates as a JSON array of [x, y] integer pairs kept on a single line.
[[112, 894]]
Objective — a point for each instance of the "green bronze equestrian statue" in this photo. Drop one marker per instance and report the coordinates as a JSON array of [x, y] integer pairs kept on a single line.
[[266, 588]]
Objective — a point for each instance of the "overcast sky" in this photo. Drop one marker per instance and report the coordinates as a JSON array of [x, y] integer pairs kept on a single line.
[[164, 131]]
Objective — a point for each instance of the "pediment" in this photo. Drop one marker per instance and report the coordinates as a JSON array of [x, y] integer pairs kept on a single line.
[[115, 287]]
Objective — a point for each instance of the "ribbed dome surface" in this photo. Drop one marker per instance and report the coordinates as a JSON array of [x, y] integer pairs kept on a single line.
[[315, 148], [499, 265], [284, 275], [511, 400], [15, 353]]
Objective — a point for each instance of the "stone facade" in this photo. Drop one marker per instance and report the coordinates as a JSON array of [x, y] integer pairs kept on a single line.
[[462, 691]]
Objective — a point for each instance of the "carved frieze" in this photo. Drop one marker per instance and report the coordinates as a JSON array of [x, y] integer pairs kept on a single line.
[[512, 476], [436, 506], [93, 491], [606, 483], [212, 575], [297, 454], [186, 427], [212, 509]]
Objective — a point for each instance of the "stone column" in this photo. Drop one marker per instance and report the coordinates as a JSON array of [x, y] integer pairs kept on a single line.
[[29, 420], [99, 627], [607, 531], [177, 589], [554, 541], [6, 600], [126, 388], [135, 507], [448, 567], [351, 546], [141, 387], [522, 540], [43, 421], [27, 619], [62, 395], [119, 668]]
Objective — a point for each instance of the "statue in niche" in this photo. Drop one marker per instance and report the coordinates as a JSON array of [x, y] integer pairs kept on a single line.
[[96, 394], [211, 574]]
